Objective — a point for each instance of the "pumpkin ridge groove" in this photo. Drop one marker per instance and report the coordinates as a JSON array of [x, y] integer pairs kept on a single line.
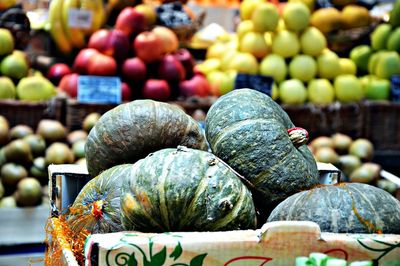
[[225, 220], [169, 160], [199, 190]]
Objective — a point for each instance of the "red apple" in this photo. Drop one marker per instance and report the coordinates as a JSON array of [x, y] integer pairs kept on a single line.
[[57, 71], [130, 22], [102, 65], [171, 69], [168, 38], [187, 60], [148, 47], [134, 69], [69, 84], [197, 85], [82, 59], [126, 93], [110, 42], [156, 89]]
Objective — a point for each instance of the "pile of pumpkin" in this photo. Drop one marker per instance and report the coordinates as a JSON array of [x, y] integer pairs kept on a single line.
[[353, 157], [155, 170], [25, 154]]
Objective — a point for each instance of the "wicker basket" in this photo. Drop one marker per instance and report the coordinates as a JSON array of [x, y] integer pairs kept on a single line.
[[328, 119], [382, 124], [30, 113], [76, 112]]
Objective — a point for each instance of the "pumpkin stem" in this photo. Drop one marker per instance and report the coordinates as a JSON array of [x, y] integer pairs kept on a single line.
[[298, 136], [97, 209]]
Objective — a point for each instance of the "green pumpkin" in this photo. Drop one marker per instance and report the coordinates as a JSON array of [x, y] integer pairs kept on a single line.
[[97, 207], [131, 131], [185, 190], [343, 208], [249, 131]]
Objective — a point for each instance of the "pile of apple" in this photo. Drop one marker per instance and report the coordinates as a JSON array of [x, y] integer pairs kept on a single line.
[[146, 57], [284, 43]]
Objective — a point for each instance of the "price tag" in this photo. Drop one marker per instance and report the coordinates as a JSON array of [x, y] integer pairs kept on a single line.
[[80, 18], [95, 89], [256, 82], [395, 88]]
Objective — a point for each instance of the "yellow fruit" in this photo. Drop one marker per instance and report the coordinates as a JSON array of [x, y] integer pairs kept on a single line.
[[247, 7], [265, 17], [216, 50], [244, 63], [347, 66], [320, 91], [296, 16], [6, 42], [275, 66], [35, 88], [303, 67], [328, 65], [355, 16], [285, 43], [243, 27], [327, 19], [312, 41], [348, 88], [292, 91], [7, 88], [254, 43], [209, 65]]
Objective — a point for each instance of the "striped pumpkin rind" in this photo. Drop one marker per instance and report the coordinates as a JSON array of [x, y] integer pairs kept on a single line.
[[248, 130], [185, 190], [343, 208], [131, 131]]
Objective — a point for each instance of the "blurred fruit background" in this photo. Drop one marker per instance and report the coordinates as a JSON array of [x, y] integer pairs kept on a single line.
[[333, 66]]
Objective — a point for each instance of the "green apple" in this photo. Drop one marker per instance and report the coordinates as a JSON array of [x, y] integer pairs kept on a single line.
[[348, 88], [328, 65], [393, 42], [312, 41], [6, 42], [14, 66], [247, 7], [228, 83], [347, 66], [221, 82], [303, 67], [373, 60], [254, 43], [296, 16], [7, 88], [292, 91], [360, 56], [286, 43], [244, 63], [320, 91], [380, 36], [265, 17], [244, 27], [208, 65], [388, 64], [378, 89], [275, 66]]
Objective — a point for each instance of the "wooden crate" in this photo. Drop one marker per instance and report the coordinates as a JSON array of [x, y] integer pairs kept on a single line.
[[382, 124], [30, 113], [328, 119]]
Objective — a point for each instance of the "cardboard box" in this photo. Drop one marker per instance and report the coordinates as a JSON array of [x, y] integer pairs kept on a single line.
[[277, 243]]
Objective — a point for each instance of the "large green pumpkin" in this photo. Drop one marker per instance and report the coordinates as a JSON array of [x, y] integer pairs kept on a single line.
[[131, 131], [249, 131], [97, 208], [343, 208], [185, 190]]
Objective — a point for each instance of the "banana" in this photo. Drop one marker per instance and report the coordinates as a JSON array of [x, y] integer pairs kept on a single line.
[[99, 15], [56, 29], [75, 36]]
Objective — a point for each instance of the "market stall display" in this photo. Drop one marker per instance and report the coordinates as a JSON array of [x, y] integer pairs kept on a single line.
[[157, 130]]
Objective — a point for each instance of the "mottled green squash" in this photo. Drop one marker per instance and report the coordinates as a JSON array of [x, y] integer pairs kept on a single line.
[[249, 131], [131, 131], [185, 190], [97, 207], [343, 208]]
